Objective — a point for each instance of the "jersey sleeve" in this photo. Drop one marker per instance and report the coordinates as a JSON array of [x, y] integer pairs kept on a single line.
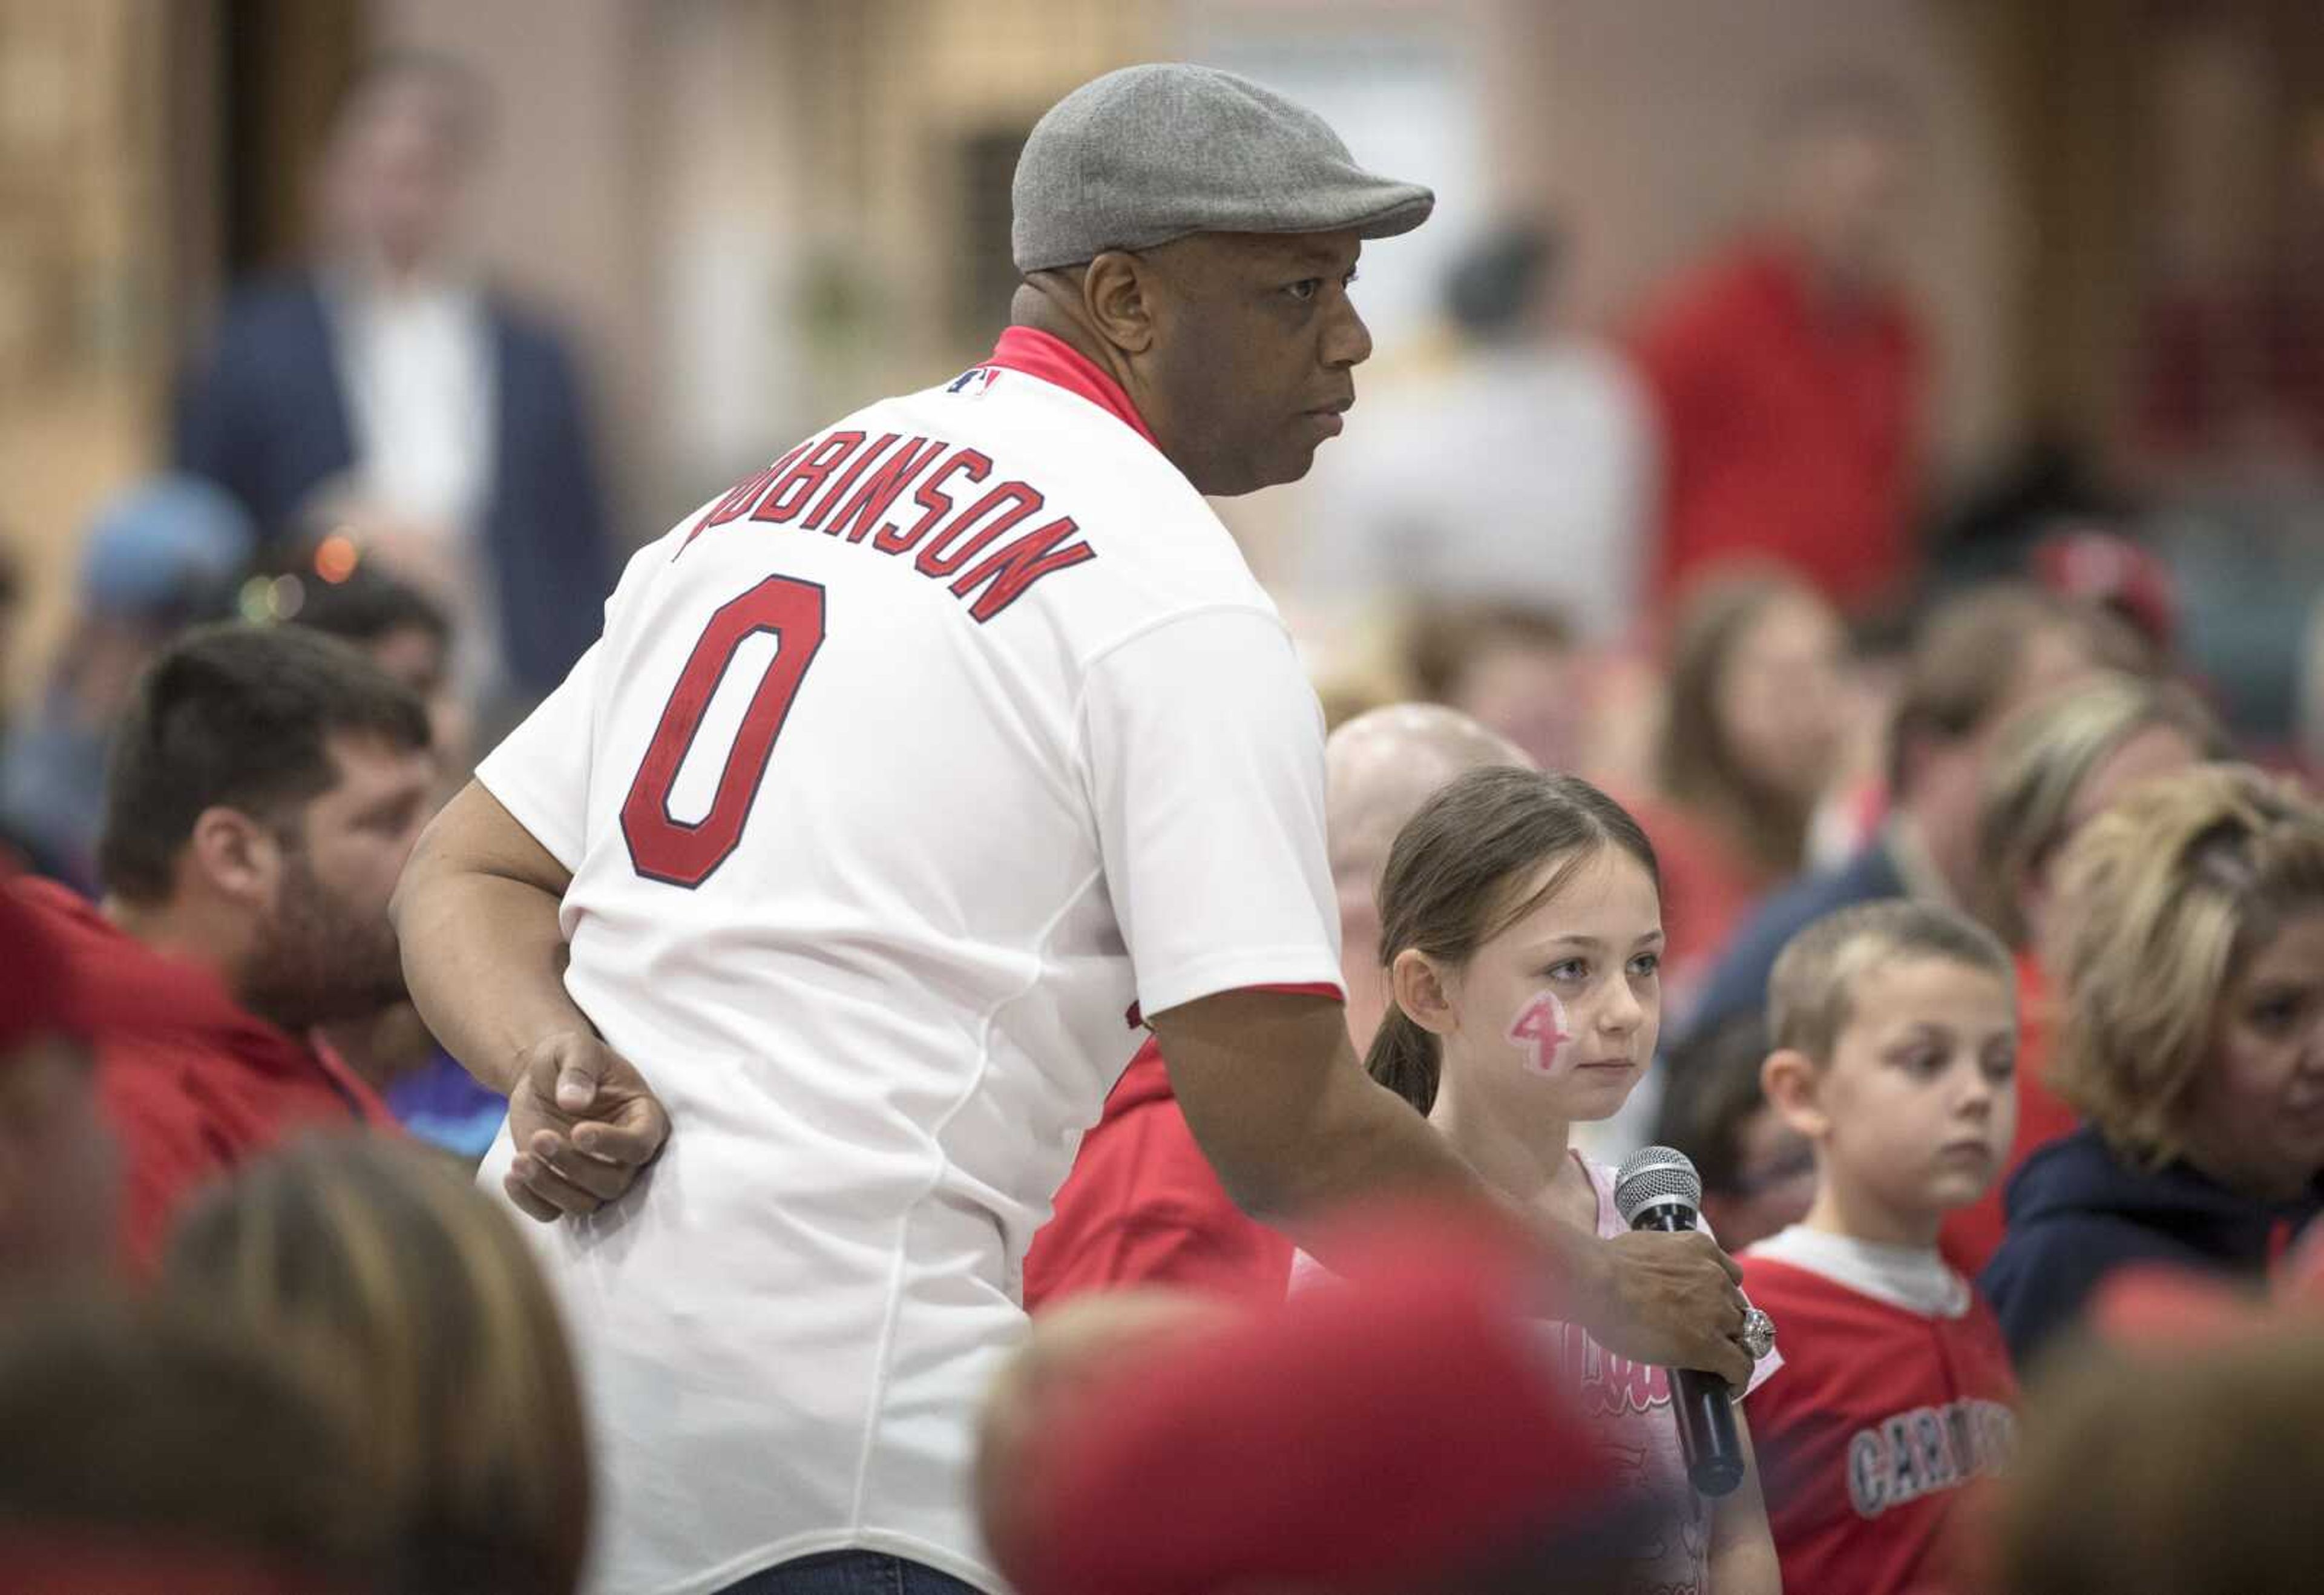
[[1204, 749], [540, 770]]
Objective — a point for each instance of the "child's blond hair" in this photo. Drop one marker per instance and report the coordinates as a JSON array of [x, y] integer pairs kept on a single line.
[[1811, 990]]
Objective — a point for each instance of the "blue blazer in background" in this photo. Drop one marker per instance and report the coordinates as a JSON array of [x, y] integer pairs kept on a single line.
[[264, 415]]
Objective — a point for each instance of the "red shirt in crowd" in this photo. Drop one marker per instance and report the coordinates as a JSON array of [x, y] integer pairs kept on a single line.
[[1973, 1234], [1789, 429], [1896, 1401], [202, 1087], [1143, 1207]]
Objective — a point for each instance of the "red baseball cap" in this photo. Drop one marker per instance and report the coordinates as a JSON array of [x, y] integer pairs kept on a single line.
[[1404, 1422], [37, 993]]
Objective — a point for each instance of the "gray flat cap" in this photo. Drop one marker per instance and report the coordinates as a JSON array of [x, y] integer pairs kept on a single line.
[[1155, 153]]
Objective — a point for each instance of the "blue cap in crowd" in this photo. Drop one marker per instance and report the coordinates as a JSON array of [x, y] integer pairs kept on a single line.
[[164, 550]]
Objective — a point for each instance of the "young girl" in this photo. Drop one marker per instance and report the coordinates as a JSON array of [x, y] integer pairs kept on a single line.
[[1521, 930]]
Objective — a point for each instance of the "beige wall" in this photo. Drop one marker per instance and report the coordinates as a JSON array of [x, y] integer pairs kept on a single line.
[[89, 113], [683, 182]]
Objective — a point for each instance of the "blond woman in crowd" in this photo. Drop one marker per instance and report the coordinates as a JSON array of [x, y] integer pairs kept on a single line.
[[380, 1269], [2188, 953], [2057, 764]]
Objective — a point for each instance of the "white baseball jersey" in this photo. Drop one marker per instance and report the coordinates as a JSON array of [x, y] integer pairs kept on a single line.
[[899, 775]]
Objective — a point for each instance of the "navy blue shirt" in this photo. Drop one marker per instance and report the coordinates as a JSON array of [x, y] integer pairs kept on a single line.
[[2079, 1211]]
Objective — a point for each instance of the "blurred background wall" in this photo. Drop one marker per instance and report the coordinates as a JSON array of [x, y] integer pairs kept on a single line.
[[752, 214]]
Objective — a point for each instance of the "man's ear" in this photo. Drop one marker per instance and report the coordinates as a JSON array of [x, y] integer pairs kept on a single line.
[[1792, 1083], [1118, 299], [1423, 991], [234, 856]]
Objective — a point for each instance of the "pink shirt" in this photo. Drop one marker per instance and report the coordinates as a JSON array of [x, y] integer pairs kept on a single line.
[[1630, 1404]]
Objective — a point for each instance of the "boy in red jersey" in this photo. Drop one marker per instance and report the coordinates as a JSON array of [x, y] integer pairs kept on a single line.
[[1894, 1029]]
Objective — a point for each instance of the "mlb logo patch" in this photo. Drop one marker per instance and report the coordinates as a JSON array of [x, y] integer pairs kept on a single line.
[[971, 384]]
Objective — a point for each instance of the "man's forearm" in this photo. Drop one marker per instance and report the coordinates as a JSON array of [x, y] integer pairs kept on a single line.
[[1366, 1143], [1297, 1131], [485, 962], [1662, 1299]]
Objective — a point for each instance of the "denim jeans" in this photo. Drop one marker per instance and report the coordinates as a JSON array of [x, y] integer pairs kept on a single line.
[[850, 1572]]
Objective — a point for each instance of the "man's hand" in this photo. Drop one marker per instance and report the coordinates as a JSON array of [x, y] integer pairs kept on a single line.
[[584, 1123], [1667, 1300]]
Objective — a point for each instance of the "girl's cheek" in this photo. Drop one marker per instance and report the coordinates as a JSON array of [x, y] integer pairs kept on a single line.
[[1542, 1037]]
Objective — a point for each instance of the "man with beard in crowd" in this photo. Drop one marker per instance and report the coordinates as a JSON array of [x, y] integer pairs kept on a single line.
[[266, 787]]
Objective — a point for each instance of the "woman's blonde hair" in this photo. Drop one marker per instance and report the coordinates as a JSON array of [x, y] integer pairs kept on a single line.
[[380, 1269], [2164, 898], [2044, 755]]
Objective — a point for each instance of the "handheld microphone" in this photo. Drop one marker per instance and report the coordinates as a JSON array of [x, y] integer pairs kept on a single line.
[[1656, 1188]]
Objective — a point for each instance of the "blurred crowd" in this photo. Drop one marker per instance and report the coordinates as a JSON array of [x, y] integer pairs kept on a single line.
[[1951, 848]]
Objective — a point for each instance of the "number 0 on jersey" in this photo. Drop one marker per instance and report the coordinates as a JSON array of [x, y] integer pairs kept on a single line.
[[669, 850]]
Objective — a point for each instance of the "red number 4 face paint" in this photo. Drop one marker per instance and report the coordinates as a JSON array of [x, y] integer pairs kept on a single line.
[[1539, 1033]]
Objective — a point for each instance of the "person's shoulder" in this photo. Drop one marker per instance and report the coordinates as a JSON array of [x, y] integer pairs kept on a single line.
[[999, 479], [1111, 466], [1765, 1268], [1738, 982], [271, 305], [1862, 878], [2079, 1179], [2057, 1243], [142, 992], [97, 953], [1157, 557], [53, 902], [2046, 1267], [526, 328]]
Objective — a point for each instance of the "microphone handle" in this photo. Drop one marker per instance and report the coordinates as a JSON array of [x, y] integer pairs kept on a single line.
[[1705, 1402]]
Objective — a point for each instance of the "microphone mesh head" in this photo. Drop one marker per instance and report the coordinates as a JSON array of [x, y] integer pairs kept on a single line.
[[1652, 1175]]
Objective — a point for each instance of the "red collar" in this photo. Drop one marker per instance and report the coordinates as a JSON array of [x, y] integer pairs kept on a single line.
[[1052, 360]]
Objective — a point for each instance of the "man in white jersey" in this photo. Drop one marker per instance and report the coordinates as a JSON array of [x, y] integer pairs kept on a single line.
[[909, 780]]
